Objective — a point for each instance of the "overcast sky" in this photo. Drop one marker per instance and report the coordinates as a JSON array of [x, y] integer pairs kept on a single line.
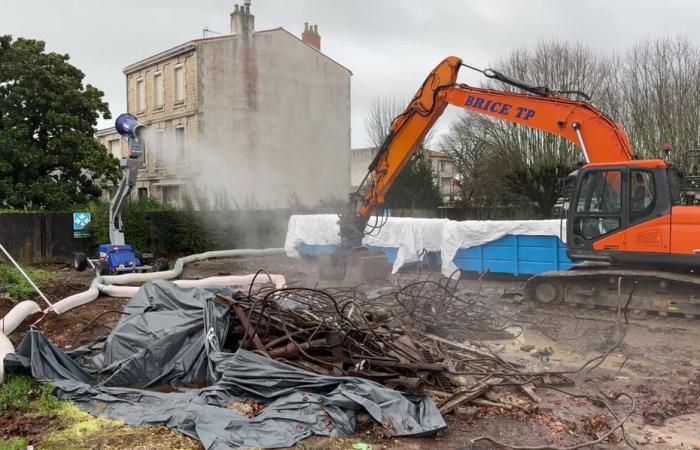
[[390, 45]]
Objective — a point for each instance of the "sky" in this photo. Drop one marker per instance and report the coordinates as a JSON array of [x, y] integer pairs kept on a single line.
[[389, 45]]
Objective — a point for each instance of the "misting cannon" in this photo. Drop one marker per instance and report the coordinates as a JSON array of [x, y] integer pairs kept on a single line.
[[117, 256]]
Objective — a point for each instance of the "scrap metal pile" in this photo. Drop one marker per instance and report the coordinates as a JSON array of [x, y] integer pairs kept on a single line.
[[425, 336], [422, 337]]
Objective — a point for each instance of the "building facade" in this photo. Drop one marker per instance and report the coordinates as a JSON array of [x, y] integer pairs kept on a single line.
[[254, 119], [444, 173]]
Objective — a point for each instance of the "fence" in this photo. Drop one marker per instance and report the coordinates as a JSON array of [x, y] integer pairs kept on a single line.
[[39, 237], [48, 236], [43, 236]]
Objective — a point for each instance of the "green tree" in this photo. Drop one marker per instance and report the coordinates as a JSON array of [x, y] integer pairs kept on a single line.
[[415, 186], [49, 158]]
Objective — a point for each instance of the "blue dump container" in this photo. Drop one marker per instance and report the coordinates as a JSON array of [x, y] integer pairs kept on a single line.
[[315, 250], [517, 255], [512, 254]]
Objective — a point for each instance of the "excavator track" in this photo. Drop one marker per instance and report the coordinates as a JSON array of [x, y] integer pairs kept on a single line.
[[656, 292]]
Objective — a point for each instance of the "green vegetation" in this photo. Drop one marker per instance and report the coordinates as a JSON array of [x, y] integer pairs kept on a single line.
[[151, 226], [58, 424], [415, 187], [17, 286], [22, 393], [49, 158], [14, 444]]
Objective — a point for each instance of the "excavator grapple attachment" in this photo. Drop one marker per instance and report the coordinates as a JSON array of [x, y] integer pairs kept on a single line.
[[354, 265]]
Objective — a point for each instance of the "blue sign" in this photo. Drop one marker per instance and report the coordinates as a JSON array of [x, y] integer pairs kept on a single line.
[[80, 220]]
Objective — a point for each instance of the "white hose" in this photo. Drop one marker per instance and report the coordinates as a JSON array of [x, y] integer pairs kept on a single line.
[[6, 347], [91, 294], [181, 262], [16, 316], [99, 283], [109, 285]]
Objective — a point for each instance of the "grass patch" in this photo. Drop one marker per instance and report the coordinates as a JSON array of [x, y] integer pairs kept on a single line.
[[13, 444], [52, 423], [22, 393], [17, 286]]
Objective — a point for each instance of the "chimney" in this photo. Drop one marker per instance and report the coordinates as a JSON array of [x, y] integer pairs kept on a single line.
[[311, 36], [242, 21]]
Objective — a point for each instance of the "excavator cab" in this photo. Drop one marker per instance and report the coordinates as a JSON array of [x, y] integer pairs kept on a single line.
[[621, 213]]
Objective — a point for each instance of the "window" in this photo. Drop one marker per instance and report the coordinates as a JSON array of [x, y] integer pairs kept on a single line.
[[180, 143], [179, 83], [115, 148], [171, 194], [598, 207], [442, 167], [158, 143], [642, 194], [158, 90], [674, 186], [600, 192], [143, 193], [140, 95]]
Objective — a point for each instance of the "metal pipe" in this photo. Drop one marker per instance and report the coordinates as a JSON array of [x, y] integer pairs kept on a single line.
[[577, 128], [36, 288]]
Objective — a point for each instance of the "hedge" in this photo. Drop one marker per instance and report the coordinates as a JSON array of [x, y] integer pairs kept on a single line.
[[160, 229]]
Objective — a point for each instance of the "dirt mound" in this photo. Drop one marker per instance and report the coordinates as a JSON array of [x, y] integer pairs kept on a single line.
[[14, 423], [657, 405]]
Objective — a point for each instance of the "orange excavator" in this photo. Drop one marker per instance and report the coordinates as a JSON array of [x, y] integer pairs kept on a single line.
[[627, 218]]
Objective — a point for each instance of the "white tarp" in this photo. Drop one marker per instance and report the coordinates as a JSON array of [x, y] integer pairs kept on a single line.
[[472, 233], [411, 236]]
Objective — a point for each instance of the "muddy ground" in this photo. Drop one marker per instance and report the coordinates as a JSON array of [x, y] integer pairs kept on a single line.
[[658, 362]]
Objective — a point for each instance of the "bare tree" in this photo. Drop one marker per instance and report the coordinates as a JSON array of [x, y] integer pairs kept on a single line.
[[526, 162], [658, 83], [379, 119], [653, 89], [480, 176], [415, 186]]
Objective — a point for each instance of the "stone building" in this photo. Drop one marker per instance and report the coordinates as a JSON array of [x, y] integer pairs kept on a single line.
[[444, 173], [256, 119]]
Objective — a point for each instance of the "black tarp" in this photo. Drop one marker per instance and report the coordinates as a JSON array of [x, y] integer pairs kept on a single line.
[[173, 336]]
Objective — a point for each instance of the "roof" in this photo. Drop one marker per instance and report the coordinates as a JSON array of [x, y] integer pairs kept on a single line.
[[438, 154], [178, 50], [192, 45], [106, 132]]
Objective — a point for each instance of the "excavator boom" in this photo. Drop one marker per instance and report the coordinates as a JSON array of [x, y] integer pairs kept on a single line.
[[600, 138]]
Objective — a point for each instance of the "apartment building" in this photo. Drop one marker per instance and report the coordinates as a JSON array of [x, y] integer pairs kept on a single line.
[[259, 117]]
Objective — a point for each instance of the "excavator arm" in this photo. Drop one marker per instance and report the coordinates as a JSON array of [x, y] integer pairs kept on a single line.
[[599, 137]]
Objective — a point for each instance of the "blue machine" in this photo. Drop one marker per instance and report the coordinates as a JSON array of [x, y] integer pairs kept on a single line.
[[117, 256]]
